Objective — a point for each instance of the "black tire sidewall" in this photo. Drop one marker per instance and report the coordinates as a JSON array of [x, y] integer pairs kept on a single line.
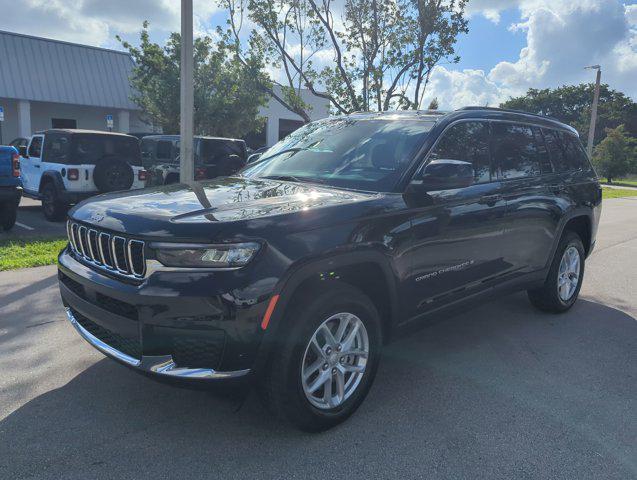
[[337, 300], [570, 239]]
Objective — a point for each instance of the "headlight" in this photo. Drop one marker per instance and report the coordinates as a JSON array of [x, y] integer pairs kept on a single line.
[[205, 256]]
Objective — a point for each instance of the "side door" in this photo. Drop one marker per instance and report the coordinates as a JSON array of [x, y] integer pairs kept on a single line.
[[456, 234], [529, 187], [31, 167]]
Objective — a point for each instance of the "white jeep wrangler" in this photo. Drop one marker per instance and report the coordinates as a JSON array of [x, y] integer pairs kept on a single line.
[[63, 167]]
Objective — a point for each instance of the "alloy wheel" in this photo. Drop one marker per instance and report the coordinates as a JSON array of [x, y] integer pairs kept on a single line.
[[568, 275], [334, 361]]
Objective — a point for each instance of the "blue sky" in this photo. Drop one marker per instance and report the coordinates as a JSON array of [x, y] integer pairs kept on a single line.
[[513, 45]]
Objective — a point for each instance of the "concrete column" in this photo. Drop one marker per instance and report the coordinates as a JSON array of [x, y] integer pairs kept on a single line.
[[24, 119], [123, 121], [272, 130]]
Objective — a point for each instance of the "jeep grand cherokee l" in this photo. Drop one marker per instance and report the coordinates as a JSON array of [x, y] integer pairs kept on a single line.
[[295, 272]]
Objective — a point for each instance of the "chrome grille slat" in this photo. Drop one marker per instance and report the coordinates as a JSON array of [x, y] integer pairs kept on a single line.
[[100, 244], [112, 253], [81, 232]]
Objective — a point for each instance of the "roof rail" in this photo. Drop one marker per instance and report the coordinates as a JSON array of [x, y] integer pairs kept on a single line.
[[508, 110]]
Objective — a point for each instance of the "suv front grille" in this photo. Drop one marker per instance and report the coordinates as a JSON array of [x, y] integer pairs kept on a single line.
[[109, 252]]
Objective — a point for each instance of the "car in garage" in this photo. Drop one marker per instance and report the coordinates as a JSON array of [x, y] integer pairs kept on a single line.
[[347, 233], [214, 157], [10, 186], [62, 167]]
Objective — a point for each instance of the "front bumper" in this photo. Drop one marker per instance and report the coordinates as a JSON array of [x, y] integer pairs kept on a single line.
[[192, 326], [158, 365]]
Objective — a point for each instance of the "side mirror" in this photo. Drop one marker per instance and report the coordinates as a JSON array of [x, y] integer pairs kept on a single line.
[[22, 151], [445, 175]]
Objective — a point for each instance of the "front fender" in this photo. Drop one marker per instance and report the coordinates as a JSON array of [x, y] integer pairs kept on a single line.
[[289, 283]]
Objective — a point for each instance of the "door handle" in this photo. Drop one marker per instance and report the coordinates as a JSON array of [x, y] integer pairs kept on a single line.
[[490, 200], [36, 166]]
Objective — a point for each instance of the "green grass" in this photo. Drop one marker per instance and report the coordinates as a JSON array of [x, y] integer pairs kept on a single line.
[[26, 253], [623, 182], [618, 193]]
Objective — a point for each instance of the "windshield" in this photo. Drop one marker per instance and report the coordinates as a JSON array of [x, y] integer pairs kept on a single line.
[[362, 154]]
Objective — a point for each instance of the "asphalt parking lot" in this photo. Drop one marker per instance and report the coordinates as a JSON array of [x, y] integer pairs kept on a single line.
[[501, 391]]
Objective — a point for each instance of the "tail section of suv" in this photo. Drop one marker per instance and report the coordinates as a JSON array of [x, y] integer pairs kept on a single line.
[[295, 272], [63, 167], [10, 187]]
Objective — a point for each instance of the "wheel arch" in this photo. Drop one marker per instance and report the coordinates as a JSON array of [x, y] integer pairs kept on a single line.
[[370, 272], [51, 176]]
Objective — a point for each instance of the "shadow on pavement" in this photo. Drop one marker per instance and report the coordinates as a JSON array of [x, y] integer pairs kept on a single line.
[[498, 392]]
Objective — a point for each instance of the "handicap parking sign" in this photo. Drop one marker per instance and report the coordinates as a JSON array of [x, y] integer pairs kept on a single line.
[[1, 114], [109, 121]]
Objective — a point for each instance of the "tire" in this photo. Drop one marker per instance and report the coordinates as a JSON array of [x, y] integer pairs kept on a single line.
[[112, 174], [54, 210], [548, 298], [282, 386], [8, 215]]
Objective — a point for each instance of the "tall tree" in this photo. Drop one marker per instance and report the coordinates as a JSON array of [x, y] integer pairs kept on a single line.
[[616, 155], [227, 93], [375, 54], [572, 104]]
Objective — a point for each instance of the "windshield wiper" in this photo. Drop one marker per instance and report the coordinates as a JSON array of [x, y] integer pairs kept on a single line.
[[282, 152], [292, 178]]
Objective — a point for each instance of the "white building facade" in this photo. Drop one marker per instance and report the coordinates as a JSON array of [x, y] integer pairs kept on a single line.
[[53, 84]]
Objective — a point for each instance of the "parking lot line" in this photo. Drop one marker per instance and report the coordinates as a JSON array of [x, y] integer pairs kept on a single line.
[[22, 225]]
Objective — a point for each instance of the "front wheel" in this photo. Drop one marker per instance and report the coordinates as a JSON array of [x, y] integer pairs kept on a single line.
[[324, 368], [564, 281]]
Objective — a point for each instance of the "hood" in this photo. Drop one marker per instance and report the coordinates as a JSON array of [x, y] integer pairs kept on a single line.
[[180, 208]]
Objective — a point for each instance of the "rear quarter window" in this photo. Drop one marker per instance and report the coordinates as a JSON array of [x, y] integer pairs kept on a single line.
[[89, 149], [212, 151]]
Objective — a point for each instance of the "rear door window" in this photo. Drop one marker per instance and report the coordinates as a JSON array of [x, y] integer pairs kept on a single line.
[[467, 142], [35, 149], [515, 150], [57, 148], [545, 159]]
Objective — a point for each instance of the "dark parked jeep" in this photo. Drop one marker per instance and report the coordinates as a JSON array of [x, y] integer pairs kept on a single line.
[[214, 157], [295, 272]]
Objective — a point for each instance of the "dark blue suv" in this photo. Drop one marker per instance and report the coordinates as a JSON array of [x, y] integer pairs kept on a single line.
[[297, 270], [10, 186]]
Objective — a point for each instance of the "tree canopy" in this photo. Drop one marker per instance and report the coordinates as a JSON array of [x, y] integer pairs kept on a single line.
[[616, 155], [572, 105], [356, 54], [227, 92]]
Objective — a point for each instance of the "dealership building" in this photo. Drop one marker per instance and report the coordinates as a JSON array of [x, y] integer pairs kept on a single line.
[[53, 84]]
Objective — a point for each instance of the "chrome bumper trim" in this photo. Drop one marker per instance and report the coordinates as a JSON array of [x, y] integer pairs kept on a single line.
[[162, 365]]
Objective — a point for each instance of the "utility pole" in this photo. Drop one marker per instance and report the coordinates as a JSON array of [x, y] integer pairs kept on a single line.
[[591, 131], [186, 154]]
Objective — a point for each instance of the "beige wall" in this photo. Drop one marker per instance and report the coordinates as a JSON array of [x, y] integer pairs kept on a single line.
[[89, 118]]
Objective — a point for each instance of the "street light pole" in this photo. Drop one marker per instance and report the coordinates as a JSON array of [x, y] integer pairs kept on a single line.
[[186, 162], [591, 131]]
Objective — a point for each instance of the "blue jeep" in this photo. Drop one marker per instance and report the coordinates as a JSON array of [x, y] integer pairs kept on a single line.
[[10, 186]]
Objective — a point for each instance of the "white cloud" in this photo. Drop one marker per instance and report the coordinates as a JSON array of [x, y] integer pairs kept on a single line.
[[562, 37], [96, 22]]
